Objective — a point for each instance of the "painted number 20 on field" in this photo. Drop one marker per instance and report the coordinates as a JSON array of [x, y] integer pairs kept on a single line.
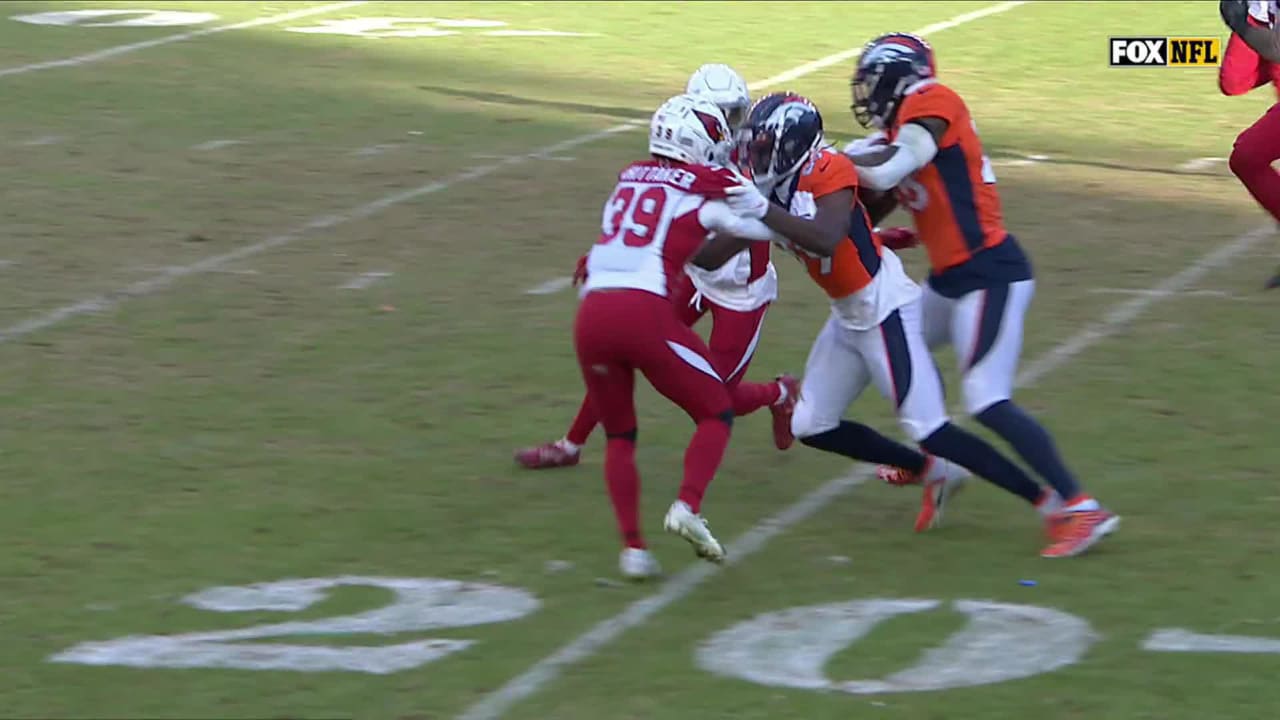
[[784, 648]]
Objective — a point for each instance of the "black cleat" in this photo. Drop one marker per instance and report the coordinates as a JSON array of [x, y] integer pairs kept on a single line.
[[1274, 282]]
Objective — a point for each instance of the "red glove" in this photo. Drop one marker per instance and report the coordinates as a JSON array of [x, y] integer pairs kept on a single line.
[[898, 238], [580, 272]]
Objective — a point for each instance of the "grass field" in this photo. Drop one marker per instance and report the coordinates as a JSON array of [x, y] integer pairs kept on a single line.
[[194, 402]]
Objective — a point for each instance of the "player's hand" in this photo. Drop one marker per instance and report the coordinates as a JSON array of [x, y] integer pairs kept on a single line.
[[580, 272], [864, 144], [1235, 13], [898, 238], [746, 200]]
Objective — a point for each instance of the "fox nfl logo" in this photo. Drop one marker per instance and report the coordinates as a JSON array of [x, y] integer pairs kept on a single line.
[[1165, 51]]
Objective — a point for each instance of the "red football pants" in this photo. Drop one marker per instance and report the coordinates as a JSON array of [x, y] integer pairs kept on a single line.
[[1243, 70], [734, 336], [618, 333], [1255, 149]]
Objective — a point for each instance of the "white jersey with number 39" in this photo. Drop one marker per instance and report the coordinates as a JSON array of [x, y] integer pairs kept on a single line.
[[657, 218]]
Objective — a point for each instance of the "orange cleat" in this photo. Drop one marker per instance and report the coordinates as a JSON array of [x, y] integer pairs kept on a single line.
[[1072, 532]]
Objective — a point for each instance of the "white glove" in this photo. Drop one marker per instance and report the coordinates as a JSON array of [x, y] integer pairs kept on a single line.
[[862, 145], [747, 201]]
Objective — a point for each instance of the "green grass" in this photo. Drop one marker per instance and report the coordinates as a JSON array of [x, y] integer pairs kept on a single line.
[[243, 428]]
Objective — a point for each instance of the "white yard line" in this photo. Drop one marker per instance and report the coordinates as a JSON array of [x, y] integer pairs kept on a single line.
[[554, 285], [1149, 291], [168, 276], [800, 71], [752, 541], [1203, 163], [216, 144], [364, 280], [118, 50]]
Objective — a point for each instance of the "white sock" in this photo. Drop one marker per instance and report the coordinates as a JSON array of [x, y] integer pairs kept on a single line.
[[1083, 505], [782, 393], [565, 445], [1052, 505]]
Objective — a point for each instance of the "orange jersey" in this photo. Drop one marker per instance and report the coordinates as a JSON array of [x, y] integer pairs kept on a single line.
[[953, 199], [856, 260]]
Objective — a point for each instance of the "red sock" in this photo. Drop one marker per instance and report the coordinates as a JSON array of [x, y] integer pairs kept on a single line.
[[749, 397], [702, 459], [623, 479], [583, 423], [1255, 149]]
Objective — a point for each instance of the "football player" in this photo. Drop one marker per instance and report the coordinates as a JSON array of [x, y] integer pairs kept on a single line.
[[1259, 145], [1242, 69], [661, 215], [809, 193], [981, 281], [737, 295]]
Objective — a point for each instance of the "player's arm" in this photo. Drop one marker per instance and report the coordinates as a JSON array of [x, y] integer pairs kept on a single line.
[[821, 235], [882, 167], [1263, 40], [731, 234], [719, 250], [879, 204]]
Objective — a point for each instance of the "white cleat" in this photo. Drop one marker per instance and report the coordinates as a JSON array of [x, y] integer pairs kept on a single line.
[[637, 564], [942, 480], [684, 522]]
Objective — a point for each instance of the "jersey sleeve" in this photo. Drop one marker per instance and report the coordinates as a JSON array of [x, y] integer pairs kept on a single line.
[[937, 101], [831, 172], [711, 181], [716, 216]]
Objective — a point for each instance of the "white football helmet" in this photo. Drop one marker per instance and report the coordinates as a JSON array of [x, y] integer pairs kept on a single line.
[[691, 129], [724, 87]]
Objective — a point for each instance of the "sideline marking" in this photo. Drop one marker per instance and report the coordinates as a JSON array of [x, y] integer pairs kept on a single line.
[[118, 50]]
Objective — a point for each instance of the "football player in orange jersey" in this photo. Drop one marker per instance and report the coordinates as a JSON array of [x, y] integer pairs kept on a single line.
[[981, 281], [808, 193]]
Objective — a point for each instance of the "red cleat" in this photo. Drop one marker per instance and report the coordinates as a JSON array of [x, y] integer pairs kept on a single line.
[[898, 238], [782, 437], [550, 455]]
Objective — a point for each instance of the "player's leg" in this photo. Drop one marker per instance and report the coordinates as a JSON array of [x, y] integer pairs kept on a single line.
[[610, 385], [566, 451], [904, 372], [987, 328], [677, 365], [1255, 150], [734, 337], [935, 323], [834, 376], [690, 305]]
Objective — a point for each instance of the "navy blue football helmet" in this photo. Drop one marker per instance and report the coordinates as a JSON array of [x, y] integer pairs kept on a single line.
[[780, 135], [889, 66]]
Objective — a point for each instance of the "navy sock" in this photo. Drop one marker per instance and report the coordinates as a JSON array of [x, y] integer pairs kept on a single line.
[[1033, 443], [857, 441], [975, 455]]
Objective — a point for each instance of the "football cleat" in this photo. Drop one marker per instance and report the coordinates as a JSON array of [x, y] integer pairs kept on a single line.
[[1075, 531], [782, 411], [638, 564], [682, 521], [550, 455], [942, 480]]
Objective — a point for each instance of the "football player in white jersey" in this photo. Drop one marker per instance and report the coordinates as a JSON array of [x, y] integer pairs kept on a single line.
[[737, 295], [664, 212]]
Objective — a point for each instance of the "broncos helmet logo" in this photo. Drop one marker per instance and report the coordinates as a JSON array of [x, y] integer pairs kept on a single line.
[[889, 66]]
